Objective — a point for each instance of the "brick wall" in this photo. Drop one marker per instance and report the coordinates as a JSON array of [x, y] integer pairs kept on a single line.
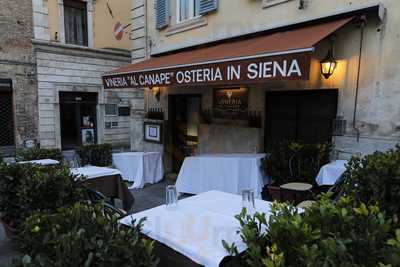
[[17, 63]]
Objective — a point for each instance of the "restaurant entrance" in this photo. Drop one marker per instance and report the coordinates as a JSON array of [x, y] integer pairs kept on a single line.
[[78, 119], [305, 115], [7, 141], [184, 117]]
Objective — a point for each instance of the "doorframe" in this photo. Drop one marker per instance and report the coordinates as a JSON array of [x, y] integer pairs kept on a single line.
[[96, 102], [300, 91], [77, 89]]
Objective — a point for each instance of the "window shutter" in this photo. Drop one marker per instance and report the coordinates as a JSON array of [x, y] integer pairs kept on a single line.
[[207, 6], [162, 13]]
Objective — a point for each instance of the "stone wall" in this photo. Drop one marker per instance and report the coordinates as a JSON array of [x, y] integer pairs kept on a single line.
[[17, 63], [64, 68]]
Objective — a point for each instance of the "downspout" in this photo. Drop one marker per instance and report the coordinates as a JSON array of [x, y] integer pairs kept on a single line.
[[363, 22]]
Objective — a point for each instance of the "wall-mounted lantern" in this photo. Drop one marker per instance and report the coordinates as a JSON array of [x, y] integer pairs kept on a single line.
[[156, 92], [328, 64]]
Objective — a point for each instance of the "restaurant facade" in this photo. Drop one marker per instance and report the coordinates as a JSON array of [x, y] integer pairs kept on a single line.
[[223, 78]]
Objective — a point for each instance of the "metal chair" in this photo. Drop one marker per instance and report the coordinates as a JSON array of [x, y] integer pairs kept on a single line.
[[96, 197], [297, 191]]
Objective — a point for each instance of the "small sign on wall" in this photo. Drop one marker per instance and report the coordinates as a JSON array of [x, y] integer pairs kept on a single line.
[[231, 103]]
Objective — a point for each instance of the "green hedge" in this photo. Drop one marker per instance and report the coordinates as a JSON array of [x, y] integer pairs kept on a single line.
[[342, 234], [27, 188], [96, 155], [375, 179], [82, 235], [39, 153], [360, 229]]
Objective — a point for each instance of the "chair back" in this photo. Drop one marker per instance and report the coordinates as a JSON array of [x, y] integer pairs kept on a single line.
[[298, 163]]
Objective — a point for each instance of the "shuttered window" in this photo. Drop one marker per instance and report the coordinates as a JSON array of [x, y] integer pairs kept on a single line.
[[207, 6], [162, 13], [75, 21]]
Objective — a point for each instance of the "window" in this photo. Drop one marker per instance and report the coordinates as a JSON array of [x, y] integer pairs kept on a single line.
[[124, 111], [111, 110], [187, 9], [75, 22]]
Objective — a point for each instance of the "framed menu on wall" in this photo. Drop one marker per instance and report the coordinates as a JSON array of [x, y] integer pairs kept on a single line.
[[231, 103], [153, 132]]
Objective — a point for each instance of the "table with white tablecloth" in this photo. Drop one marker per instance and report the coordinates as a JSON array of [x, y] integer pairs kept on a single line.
[[42, 162], [91, 172], [139, 167], [330, 173], [229, 173], [108, 181], [198, 226]]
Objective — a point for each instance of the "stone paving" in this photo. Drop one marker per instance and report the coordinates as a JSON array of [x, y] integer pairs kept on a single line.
[[146, 198]]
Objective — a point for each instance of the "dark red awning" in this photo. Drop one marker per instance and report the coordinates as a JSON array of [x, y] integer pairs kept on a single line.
[[274, 52]]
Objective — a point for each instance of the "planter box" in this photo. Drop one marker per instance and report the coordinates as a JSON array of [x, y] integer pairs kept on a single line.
[[9, 230], [274, 192]]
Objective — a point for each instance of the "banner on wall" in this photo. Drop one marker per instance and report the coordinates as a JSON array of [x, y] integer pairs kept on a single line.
[[234, 72]]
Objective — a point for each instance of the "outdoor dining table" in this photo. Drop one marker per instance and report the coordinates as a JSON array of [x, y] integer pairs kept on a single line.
[[330, 173], [108, 181], [196, 228], [42, 162], [139, 167], [229, 173]]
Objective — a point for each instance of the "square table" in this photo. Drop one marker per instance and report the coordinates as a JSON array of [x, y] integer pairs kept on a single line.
[[139, 167], [108, 181], [230, 173], [330, 173], [198, 226]]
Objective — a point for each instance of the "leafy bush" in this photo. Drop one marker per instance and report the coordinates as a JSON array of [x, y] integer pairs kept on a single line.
[[96, 155], [327, 234], [39, 153], [305, 161], [375, 179], [82, 235], [26, 189]]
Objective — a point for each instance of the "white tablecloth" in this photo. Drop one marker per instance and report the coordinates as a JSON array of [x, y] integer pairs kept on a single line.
[[331, 172], [139, 167], [229, 173], [196, 229], [94, 171], [43, 162]]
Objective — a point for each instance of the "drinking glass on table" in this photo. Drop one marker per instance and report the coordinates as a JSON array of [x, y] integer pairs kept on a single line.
[[248, 200], [171, 197]]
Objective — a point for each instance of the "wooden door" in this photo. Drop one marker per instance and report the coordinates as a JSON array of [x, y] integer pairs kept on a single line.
[[6, 119], [300, 115]]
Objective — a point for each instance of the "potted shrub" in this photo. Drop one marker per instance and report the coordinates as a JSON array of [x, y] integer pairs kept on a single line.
[[96, 155], [27, 188]]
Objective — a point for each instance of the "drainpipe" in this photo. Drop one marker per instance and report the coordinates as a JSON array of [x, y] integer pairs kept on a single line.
[[362, 23]]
